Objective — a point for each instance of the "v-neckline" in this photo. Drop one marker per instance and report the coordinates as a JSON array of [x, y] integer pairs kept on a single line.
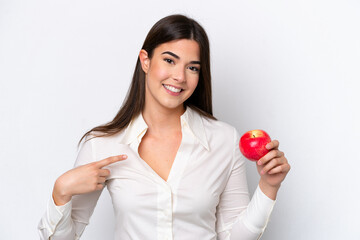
[[180, 161], [153, 171]]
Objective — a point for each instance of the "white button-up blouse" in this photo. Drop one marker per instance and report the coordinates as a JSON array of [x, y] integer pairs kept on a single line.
[[205, 196]]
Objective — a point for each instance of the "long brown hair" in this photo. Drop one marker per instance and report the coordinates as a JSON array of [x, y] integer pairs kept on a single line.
[[167, 29]]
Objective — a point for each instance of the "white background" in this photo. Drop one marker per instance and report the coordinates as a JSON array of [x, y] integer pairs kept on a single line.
[[288, 67]]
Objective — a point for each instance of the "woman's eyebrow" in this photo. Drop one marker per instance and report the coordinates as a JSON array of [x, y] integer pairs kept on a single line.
[[177, 57], [172, 54]]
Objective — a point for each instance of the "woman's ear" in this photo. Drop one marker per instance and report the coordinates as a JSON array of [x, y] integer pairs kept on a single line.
[[144, 59]]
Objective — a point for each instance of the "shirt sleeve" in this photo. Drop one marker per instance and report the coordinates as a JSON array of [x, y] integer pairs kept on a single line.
[[238, 218], [67, 222]]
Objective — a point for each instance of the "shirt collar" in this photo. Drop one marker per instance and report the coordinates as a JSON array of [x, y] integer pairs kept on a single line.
[[190, 119], [135, 130], [194, 122]]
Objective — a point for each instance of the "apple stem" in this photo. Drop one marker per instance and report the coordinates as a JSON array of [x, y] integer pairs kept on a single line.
[[253, 135]]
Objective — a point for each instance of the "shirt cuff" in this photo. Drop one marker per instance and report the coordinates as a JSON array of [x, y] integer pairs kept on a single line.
[[258, 211], [63, 209], [57, 215]]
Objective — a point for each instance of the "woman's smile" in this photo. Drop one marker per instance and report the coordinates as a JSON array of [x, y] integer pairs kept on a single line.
[[174, 91]]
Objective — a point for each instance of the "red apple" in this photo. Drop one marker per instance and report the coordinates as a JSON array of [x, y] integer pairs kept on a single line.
[[252, 144]]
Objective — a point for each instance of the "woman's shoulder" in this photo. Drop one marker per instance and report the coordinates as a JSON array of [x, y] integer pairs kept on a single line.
[[213, 124], [103, 146], [218, 125], [220, 131], [101, 138]]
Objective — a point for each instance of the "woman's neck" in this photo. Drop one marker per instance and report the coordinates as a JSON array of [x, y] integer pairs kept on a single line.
[[163, 121]]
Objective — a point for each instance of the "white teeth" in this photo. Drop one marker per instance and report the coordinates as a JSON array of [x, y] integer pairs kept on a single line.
[[171, 88]]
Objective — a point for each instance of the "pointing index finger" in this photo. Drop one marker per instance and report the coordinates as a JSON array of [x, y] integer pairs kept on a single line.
[[110, 160]]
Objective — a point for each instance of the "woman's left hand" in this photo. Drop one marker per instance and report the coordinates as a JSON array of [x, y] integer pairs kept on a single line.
[[273, 167]]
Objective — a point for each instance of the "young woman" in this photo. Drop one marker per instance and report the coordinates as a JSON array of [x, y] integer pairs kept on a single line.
[[173, 171]]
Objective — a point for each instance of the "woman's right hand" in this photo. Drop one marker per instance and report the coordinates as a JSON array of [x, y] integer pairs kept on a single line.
[[83, 179]]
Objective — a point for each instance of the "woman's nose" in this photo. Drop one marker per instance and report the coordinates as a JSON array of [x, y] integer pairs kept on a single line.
[[179, 74]]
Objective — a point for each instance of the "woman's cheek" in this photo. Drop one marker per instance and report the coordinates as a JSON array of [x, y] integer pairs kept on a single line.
[[193, 81], [163, 74], [160, 72]]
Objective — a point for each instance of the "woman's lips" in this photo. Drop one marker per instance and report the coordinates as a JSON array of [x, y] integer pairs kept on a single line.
[[174, 91]]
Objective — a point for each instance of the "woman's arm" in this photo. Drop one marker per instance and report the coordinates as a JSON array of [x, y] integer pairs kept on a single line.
[[75, 195], [237, 216]]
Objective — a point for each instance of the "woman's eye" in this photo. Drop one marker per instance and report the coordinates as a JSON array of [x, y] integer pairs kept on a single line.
[[168, 60], [194, 69]]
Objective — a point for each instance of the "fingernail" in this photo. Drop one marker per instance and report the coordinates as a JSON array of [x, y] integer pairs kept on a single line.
[[124, 156], [259, 162], [262, 172], [268, 146]]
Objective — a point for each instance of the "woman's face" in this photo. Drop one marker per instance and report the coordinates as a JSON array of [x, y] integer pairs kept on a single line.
[[172, 73]]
